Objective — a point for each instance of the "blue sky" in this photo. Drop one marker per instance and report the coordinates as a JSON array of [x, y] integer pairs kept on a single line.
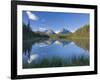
[[55, 20]]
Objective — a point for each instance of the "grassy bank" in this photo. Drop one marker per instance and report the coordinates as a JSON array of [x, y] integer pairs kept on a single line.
[[59, 62]]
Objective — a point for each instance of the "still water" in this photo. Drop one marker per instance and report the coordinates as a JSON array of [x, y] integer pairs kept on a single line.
[[54, 53]]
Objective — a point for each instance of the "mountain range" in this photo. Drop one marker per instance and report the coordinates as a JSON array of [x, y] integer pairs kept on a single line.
[[50, 31]]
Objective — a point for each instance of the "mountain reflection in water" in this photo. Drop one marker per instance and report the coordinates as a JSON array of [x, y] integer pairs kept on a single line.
[[54, 53]]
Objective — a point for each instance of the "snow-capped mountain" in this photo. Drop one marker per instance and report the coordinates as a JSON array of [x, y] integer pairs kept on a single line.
[[63, 31], [49, 31]]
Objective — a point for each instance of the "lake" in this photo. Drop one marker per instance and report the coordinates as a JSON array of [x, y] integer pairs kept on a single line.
[[54, 53]]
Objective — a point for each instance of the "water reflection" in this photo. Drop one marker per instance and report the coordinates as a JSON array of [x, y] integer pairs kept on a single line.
[[32, 58], [53, 53], [83, 43]]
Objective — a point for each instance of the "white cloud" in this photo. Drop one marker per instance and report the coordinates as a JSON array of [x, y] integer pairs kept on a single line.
[[42, 29], [32, 16]]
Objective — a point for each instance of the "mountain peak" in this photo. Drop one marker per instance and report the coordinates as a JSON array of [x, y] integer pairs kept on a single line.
[[49, 31], [64, 31]]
